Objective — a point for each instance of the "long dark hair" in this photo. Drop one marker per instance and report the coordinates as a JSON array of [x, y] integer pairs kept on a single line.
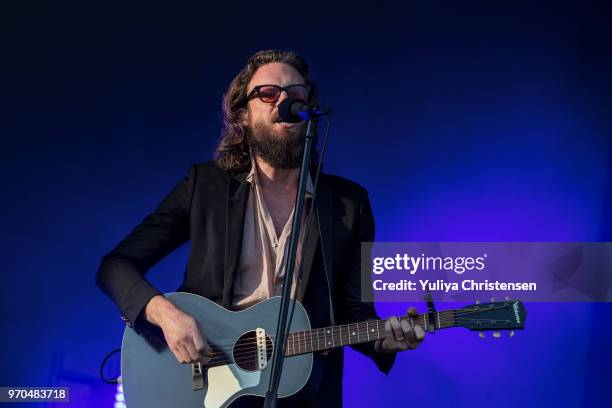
[[232, 152]]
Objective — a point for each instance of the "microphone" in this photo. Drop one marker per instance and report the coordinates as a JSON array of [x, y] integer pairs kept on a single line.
[[293, 110]]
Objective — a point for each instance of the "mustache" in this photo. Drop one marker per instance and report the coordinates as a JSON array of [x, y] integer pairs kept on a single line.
[[275, 118]]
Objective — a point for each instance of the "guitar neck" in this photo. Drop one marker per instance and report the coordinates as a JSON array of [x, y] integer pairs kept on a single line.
[[326, 338]]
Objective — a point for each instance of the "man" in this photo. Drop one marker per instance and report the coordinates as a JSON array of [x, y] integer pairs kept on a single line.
[[237, 212]]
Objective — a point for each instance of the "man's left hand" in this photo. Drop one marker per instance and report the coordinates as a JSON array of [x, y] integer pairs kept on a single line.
[[400, 335]]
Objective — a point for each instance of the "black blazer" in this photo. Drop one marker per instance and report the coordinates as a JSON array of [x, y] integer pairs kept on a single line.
[[207, 207]]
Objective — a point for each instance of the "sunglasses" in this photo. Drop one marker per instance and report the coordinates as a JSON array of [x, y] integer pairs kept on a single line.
[[271, 93]]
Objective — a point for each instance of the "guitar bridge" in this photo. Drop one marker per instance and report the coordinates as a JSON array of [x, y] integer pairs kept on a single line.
[[262, 352], [198, 376]]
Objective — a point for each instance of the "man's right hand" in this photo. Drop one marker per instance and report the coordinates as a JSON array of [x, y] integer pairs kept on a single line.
[[180, 330]]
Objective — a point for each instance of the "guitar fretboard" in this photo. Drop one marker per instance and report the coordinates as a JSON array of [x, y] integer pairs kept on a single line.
[[326, 338]]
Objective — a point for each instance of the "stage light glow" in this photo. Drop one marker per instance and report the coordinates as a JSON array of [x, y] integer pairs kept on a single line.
[[119, 398]]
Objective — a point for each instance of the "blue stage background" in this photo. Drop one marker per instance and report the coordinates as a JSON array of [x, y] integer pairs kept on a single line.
[[466, 121]]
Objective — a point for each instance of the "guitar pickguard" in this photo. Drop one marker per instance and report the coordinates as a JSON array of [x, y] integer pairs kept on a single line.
[[225, 381]]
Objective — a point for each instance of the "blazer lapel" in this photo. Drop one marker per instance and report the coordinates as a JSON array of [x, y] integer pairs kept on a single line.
[[237, 194]]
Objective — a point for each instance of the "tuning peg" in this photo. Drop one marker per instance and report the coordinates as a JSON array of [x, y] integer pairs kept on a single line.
[[511, 333], [506, 298], [477, 302], [492, 299], [481, 335], [496, 334]]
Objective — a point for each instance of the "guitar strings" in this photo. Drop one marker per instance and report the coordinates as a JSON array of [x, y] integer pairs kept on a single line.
[[446, 319], [249, 346], [251, 356]]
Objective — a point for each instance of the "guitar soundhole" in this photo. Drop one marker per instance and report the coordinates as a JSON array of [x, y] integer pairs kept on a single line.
[[245, 351]]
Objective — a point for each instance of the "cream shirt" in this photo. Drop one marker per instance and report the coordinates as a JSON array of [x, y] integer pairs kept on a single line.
[[263, 257]]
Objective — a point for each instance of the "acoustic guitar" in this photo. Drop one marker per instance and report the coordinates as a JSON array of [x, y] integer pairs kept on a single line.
[[243, 344]]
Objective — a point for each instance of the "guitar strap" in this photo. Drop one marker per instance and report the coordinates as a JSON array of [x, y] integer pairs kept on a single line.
[[312, 207], [327, 277]]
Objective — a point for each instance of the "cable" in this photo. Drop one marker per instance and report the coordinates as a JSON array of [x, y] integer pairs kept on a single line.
[[108, 356]]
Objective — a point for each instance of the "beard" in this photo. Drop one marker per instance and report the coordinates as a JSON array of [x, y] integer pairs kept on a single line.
[[281, 148]]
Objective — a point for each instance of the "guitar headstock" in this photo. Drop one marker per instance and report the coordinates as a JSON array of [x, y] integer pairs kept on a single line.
[[493, 316]]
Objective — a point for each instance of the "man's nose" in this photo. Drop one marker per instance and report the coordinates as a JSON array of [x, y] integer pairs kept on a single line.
[[283, 95]]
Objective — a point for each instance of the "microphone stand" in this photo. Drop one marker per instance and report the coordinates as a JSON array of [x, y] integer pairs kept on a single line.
[[278, 356]]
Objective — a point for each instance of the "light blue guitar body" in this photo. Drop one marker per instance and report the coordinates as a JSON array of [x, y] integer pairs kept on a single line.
[[153, 378]]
